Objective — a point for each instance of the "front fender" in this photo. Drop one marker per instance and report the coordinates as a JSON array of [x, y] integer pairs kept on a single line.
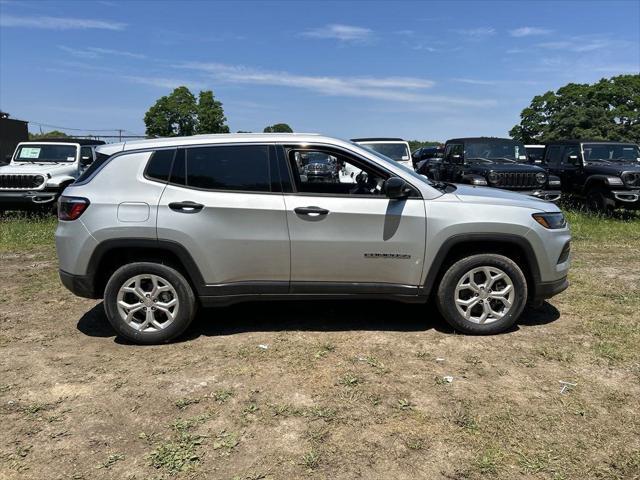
[[57, 181]]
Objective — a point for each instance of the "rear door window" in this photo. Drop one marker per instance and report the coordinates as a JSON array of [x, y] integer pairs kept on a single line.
[[159, 166], [234, 168]]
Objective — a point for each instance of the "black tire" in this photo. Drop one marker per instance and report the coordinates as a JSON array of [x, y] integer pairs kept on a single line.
[[187, 305], [446, 298], [597, 201]]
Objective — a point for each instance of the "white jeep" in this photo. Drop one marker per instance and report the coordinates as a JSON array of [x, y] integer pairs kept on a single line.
[[40, 171]]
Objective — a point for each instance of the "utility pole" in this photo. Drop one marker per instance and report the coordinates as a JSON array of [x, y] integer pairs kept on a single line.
[[119, 135]]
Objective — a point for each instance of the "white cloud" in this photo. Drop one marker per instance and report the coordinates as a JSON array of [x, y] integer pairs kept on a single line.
[[397, 89], [477, 32], [344, 33], [96, 52], [59, 23], [577, 44], [473, 81], [529, 31], [163, 82]]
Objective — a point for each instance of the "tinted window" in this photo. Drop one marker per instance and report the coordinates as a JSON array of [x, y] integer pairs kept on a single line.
[[86, 152], [553, 155], [239, 167], [100, 160], [159, 166], [568, 152]]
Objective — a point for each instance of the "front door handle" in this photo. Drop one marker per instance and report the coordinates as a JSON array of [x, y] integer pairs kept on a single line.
[[311, 211], [186, 207]]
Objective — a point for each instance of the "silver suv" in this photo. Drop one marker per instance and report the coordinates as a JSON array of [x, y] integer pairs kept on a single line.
[[159, 227]]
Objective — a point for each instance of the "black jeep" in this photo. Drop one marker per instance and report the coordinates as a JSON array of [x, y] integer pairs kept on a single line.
[[494, 162], [605, 174]]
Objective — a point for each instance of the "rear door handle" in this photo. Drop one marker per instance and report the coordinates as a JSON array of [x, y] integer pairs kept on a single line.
[[311, 211], [186, 207]]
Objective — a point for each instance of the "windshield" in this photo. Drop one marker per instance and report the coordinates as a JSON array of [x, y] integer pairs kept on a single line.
[[612, 152], [35, 152], [493, 150], [396, 151], [386, 159]]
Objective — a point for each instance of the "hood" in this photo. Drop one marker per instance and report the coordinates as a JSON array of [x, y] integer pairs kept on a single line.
[[611, 168], [498, 196], [505, 167], [43, 168]]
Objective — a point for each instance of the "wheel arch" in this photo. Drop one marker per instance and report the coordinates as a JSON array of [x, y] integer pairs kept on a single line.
[[459, 246], [110, 255]]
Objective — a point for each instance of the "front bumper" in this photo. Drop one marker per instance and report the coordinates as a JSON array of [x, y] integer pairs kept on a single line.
[[22, 197], [544, 290], [549, 195], [627, 198]]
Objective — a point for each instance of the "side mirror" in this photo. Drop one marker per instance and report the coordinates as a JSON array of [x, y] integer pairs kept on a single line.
[[397, 188], [573, 159], [84, 161], [458, 159]]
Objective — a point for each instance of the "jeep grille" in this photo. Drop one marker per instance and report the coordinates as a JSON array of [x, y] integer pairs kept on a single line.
[[631, 179], [517, 180], [20, 182]]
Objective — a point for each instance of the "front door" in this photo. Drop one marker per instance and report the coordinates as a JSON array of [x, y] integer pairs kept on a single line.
[[220, 205], [346, 236]]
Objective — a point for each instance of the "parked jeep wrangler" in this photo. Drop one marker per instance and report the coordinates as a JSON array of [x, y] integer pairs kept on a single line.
[[159, 227], [40, 171], [605, 174], [494, 162]]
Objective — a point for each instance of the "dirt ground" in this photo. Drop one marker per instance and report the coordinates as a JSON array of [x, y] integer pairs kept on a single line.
[[335, 390]]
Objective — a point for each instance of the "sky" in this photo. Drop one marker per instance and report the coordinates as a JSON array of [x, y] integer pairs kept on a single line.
[[417, 70]]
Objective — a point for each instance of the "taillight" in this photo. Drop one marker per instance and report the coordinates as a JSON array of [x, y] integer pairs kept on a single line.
[[70, 208]]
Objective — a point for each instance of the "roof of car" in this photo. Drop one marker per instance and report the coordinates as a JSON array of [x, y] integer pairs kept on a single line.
[[475, 139], [377, 139], [218, 138], [569, 142], [81, 141]]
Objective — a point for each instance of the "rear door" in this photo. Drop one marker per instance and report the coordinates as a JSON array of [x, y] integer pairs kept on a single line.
[[346, 235], [224, 206]]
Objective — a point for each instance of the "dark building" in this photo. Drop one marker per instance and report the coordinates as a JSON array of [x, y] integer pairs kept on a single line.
[[12, 132]]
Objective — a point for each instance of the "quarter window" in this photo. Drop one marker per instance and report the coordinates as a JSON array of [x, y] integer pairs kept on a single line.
[[159, 166], [238, 167]]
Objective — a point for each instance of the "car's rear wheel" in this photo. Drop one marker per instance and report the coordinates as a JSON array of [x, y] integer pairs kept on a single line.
[[149, 303], [482, 294]]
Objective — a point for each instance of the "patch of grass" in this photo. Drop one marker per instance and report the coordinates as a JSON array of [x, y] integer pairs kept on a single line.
[[325, 349], [488, 461], [179, 455], [183, 403], [222, 395], [404, 404], [310, 460], [350, 380], [24, 231], [111, 460], [225, 441]]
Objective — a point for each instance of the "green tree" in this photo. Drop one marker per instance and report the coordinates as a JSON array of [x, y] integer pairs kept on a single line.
[[416, 144], [51, 134], [178, 114], [278, 128], [606, 110], [211, 117]]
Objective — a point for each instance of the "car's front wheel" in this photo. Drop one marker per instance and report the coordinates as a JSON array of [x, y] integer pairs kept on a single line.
[[149, 303], [482, 294]]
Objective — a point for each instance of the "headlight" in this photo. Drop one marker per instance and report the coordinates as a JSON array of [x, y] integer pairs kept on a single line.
[[550, 220], [478, 181], [493, 177], [613, 181], [541, 178]]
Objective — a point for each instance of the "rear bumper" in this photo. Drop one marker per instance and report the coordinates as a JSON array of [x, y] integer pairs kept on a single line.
[[544, 290], [80, 285]]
